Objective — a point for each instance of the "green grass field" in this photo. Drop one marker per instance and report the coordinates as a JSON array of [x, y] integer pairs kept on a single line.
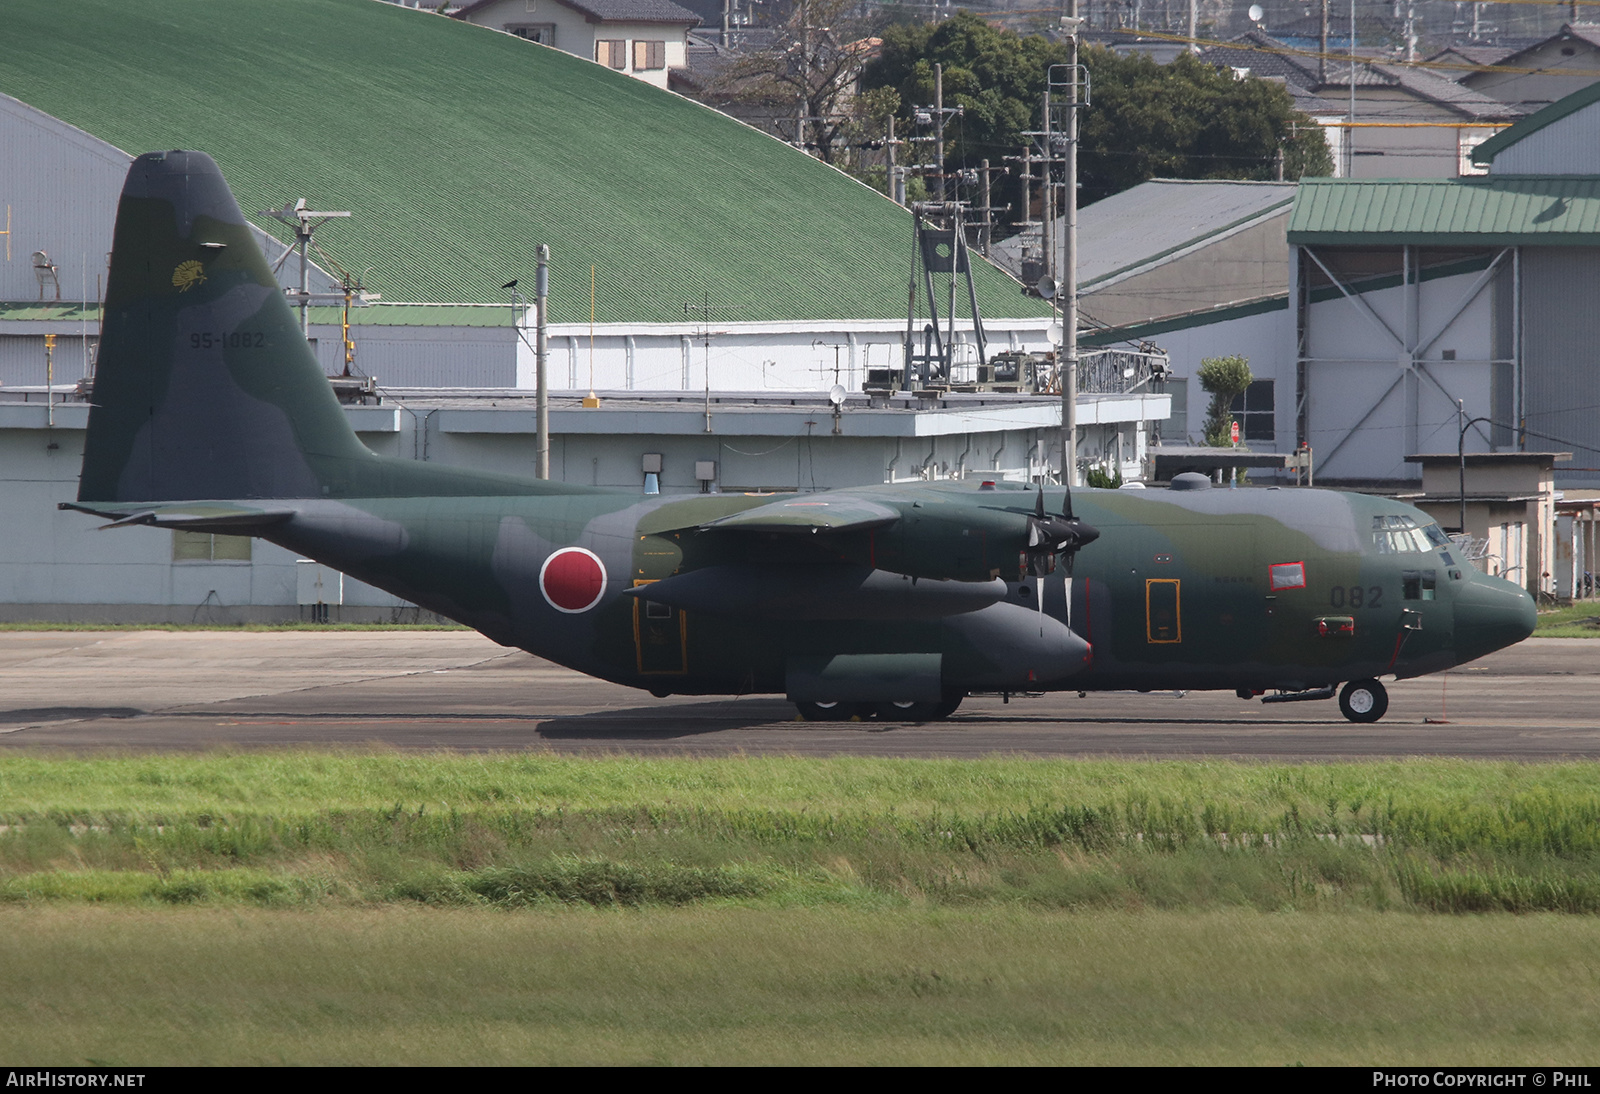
[[741, 985], [1581, 620], [358, 907]]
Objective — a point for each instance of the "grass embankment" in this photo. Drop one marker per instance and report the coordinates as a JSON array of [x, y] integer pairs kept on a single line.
[[306, 829], [315, 907], [1581, 620]]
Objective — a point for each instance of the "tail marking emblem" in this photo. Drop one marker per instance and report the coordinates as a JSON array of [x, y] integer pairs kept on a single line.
[[188, 275]]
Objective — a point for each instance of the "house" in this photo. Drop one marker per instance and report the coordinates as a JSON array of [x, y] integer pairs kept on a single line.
[[644, 38], [1402, 122], [1542, 73]]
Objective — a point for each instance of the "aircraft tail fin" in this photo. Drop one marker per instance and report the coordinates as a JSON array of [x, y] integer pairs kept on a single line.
[[205, 387]]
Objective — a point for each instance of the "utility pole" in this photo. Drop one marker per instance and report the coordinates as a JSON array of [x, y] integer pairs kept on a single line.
[[1322, 54], [988, 214], [1068, 281], [705, 310], [304, 222], [1350, 130], [938, 115], [542, 358], [1047, 200], [1194, 22]]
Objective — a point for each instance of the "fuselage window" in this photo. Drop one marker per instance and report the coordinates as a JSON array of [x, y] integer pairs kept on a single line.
[[1419, 584]]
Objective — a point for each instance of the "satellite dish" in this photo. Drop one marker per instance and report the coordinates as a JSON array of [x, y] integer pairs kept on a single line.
[[836, 395], [1046, 287], [1054, 331], [1256, 13]]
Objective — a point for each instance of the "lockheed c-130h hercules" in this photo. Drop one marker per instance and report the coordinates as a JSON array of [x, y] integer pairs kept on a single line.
[[210, 413]]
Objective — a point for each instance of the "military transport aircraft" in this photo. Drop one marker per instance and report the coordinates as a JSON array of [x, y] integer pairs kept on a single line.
[[210, 413]]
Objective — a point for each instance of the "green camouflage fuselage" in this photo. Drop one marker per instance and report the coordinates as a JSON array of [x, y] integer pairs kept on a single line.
[[211, 413]]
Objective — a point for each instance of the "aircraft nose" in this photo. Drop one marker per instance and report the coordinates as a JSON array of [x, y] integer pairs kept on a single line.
[[1491, 614]]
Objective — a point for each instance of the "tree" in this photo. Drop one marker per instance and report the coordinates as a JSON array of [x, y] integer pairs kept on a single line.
[[1226, 378], [996, 77], [807, 79], [1188, 120]]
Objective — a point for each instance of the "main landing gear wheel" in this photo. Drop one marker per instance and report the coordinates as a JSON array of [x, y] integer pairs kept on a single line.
[[826, 712], [907, 711], [1363, 701]]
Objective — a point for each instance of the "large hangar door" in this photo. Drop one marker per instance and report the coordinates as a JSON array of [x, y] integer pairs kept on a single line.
[[1561, 362]]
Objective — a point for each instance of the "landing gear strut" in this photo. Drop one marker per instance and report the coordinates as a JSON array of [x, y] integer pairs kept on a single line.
[[1363, 701]]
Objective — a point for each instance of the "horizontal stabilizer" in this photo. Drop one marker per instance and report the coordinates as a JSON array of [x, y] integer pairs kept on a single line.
[[810, 513], [191, 516]]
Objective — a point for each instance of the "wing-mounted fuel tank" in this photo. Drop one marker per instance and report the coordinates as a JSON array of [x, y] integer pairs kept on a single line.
[[1003, 647]]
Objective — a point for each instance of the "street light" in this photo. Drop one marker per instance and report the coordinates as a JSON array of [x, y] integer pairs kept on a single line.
[[1461, 453]]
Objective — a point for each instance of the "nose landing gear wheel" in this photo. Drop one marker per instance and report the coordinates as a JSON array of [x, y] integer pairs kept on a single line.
[[1363, 701]]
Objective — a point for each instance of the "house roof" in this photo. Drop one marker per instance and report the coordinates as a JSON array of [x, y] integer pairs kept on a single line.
[[459, 150], [611, 11], [1265, 55], [1485, 153], [1493, 210], [1482, 56], [1588, 33]]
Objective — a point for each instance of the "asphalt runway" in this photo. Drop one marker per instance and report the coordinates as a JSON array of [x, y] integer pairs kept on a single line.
[[160, 690]]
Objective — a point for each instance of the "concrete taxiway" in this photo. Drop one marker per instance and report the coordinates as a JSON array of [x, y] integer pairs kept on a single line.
[[158, 690]]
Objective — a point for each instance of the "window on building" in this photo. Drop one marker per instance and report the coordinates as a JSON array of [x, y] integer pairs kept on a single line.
[[1253, 411], [543, 33], [612, 52], [648, 55], [205, 547]]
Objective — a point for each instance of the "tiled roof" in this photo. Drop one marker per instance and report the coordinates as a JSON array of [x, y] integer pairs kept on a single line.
[[459, 150], [1255, 51]]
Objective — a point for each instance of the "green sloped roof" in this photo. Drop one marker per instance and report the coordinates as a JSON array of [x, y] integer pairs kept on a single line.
[[460, 149], [1498, 210]]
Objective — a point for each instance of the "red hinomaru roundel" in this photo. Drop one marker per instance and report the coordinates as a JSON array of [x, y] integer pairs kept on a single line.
[[572, 580]]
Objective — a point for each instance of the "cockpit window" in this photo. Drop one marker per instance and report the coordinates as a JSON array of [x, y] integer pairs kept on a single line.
[[1401, 535]]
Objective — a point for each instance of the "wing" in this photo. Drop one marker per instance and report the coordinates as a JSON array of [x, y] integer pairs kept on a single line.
[[810, 514]]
